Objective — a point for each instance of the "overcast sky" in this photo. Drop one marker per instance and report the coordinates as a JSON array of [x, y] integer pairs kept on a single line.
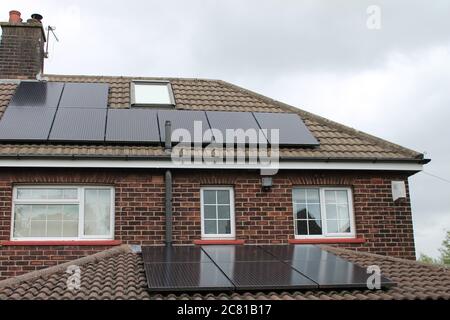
[[321, 56]]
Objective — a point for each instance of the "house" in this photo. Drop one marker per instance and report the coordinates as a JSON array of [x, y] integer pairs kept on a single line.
[[82, 176]]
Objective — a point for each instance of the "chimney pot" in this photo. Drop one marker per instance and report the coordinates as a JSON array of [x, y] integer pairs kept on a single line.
[[37, 17], [14, 16]]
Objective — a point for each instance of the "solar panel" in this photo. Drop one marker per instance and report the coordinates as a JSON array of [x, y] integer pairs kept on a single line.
[[171, 254], [223, 121], [323, 267], [237, 253], [267, 275], [26, 123], [37, 94], [186, 277], [182, 268], [132, 125], [79, 124], [183, 120], [86, 95], [292, 130]]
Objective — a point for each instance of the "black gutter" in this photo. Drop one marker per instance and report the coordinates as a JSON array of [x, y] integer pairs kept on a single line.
[[167, 157]]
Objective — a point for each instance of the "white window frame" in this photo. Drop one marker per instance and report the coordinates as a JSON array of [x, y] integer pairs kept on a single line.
[[232, 233], [323, 214], [79, 201], [134, 103]]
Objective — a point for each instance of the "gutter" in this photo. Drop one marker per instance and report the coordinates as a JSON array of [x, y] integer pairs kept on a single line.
[[168, 157]]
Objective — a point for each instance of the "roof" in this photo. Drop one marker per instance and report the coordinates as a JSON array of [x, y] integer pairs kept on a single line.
[[336, 141], [118, 273]]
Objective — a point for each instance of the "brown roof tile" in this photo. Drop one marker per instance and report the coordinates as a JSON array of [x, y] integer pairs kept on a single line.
[[119, 274], [336, 140]]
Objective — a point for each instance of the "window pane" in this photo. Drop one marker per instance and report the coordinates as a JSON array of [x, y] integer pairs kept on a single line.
[[332, 226], [151, 93], [70, 228], [46, 193], [209, 196], [300, 209], [344, 226], [23, 193], [315, 227], [312, 195], [54, 228], [313, 211], [299, 195], [70, 193], [343, 211], [341, 196], [42, 220], [223, 197], [210, 226], [223, 212], [55, 194], [224, 227], [331, 211], [210, 212], [97, 210], [302, 228], [330, 196]]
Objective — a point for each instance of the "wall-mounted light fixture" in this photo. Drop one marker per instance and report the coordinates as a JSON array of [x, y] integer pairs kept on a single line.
[[266, 183]]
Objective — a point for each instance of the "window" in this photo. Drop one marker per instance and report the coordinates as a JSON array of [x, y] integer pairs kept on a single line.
[[323, 212], [217, 212], [152, 93], [62, 213]]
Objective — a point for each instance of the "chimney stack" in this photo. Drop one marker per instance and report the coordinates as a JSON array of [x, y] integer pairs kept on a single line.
[[22, 47]]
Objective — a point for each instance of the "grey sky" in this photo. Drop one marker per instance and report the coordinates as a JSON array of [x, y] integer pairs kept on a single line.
[[317, 55]]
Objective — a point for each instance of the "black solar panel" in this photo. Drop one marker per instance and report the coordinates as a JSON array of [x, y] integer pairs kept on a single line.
[[173, 254], [87, 95], [186, 277], [222, 120], [37, 94], [132, 125], [183, 120], [323, 267], [182, 268], [26, 123], [270, 267], [79, 124], [264, 275], [237, 253], [292, 130]]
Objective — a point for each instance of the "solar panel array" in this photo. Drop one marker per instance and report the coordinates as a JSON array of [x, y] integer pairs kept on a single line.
[[247, 268], [78, 112]]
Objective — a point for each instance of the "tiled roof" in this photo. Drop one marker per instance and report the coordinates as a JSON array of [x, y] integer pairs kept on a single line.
[[336, 141], [118, 273]]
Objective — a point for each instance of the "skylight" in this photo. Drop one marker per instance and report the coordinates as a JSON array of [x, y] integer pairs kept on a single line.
[[147, 93]]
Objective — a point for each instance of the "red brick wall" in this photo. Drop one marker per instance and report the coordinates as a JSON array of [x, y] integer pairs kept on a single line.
[[261, 217]]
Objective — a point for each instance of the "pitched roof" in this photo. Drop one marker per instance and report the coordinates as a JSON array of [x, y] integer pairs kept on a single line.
[[336, 141], [118, 273]]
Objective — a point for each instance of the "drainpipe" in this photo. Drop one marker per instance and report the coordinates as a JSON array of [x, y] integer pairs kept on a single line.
[[168, 208], [168, 182]]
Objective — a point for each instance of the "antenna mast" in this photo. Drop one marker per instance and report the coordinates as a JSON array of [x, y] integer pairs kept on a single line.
[[52, 30]]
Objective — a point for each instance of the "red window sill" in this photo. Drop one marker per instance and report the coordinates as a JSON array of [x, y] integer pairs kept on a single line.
[[63, 243], [206, 242], [327, 240]]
